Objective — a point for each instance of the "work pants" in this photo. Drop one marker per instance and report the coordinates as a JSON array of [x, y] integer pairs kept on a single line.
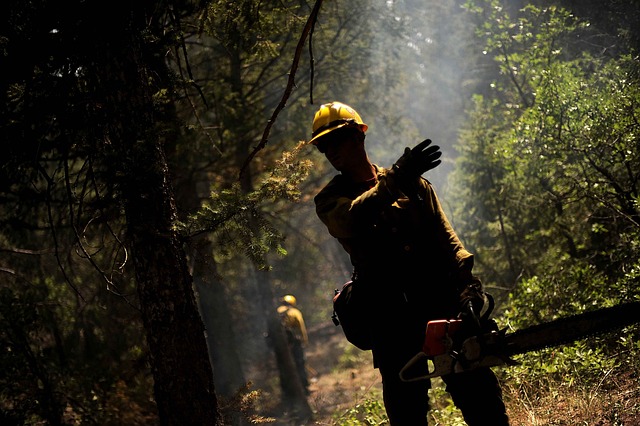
[[297, 351], [406, 403], [476, 393]]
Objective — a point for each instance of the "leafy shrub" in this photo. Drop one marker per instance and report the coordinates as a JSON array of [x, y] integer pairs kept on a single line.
[[369, 412]]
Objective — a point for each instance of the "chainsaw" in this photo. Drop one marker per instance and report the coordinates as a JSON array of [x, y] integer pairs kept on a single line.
[[450, 348]]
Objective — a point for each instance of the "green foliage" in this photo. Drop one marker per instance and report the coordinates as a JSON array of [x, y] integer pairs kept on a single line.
[[567, 364], [579, 374], [550, 161], [583, 361], [352, 357], [443, 411], [237, 219], [543, 299], [56, 364], [368, 412]]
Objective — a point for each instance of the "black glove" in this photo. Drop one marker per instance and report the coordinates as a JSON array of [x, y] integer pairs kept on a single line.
[[414, 162], [471, 293], [471, 299]]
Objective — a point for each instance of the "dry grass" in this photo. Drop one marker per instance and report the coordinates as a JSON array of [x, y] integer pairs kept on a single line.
[[614, 401]]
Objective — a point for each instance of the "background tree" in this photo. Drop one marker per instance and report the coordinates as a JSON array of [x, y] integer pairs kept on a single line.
[[87, 127], [562, 148]]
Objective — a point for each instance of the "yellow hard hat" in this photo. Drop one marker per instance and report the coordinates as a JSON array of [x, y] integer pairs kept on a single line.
[[290, 299], [332, 116]]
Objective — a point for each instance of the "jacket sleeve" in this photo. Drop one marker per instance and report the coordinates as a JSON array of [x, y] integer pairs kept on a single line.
[[447, 238], [346, 215], [467, 285], [304, 337]]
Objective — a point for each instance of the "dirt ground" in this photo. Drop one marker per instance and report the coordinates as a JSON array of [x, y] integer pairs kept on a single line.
[[338, 384]]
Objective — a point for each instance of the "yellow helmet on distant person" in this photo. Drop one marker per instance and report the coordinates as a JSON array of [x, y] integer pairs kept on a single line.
[[289, 299], [333, 116]]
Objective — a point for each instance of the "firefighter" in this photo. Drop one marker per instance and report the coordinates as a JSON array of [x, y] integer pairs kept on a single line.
[[293, 323], [408, 258]]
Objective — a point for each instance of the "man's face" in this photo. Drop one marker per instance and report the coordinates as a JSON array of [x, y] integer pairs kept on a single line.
[[342, 148]]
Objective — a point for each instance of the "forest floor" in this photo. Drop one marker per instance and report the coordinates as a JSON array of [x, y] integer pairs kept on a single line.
[[343, 377]]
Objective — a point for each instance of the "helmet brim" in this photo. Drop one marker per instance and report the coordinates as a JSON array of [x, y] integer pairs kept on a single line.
[[314, 140]]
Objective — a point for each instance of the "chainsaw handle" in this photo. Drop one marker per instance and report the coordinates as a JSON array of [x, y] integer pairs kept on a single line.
[[469, 316], [489, 304], [422, 367], [478, 318]]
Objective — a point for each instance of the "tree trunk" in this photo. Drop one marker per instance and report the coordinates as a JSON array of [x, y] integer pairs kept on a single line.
[[128, 74], [183, 377], [218, 320]]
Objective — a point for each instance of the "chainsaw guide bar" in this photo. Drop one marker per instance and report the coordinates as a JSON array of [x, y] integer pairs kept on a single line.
[[569, 329]]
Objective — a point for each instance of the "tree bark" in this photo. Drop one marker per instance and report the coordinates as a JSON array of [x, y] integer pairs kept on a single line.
[[128, 74]]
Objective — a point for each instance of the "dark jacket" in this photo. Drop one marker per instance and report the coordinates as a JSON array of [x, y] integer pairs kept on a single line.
[[405, 251]]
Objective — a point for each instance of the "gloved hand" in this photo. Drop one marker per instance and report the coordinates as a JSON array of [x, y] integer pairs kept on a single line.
[[472, 297], [414, 162], [475, 305], [472, 294]]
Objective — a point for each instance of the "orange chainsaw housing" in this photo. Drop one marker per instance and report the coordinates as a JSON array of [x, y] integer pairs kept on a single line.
[[438, 337]]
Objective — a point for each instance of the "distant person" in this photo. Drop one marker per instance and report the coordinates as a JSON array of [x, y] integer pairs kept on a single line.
[[293, 323], [408, 261]]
